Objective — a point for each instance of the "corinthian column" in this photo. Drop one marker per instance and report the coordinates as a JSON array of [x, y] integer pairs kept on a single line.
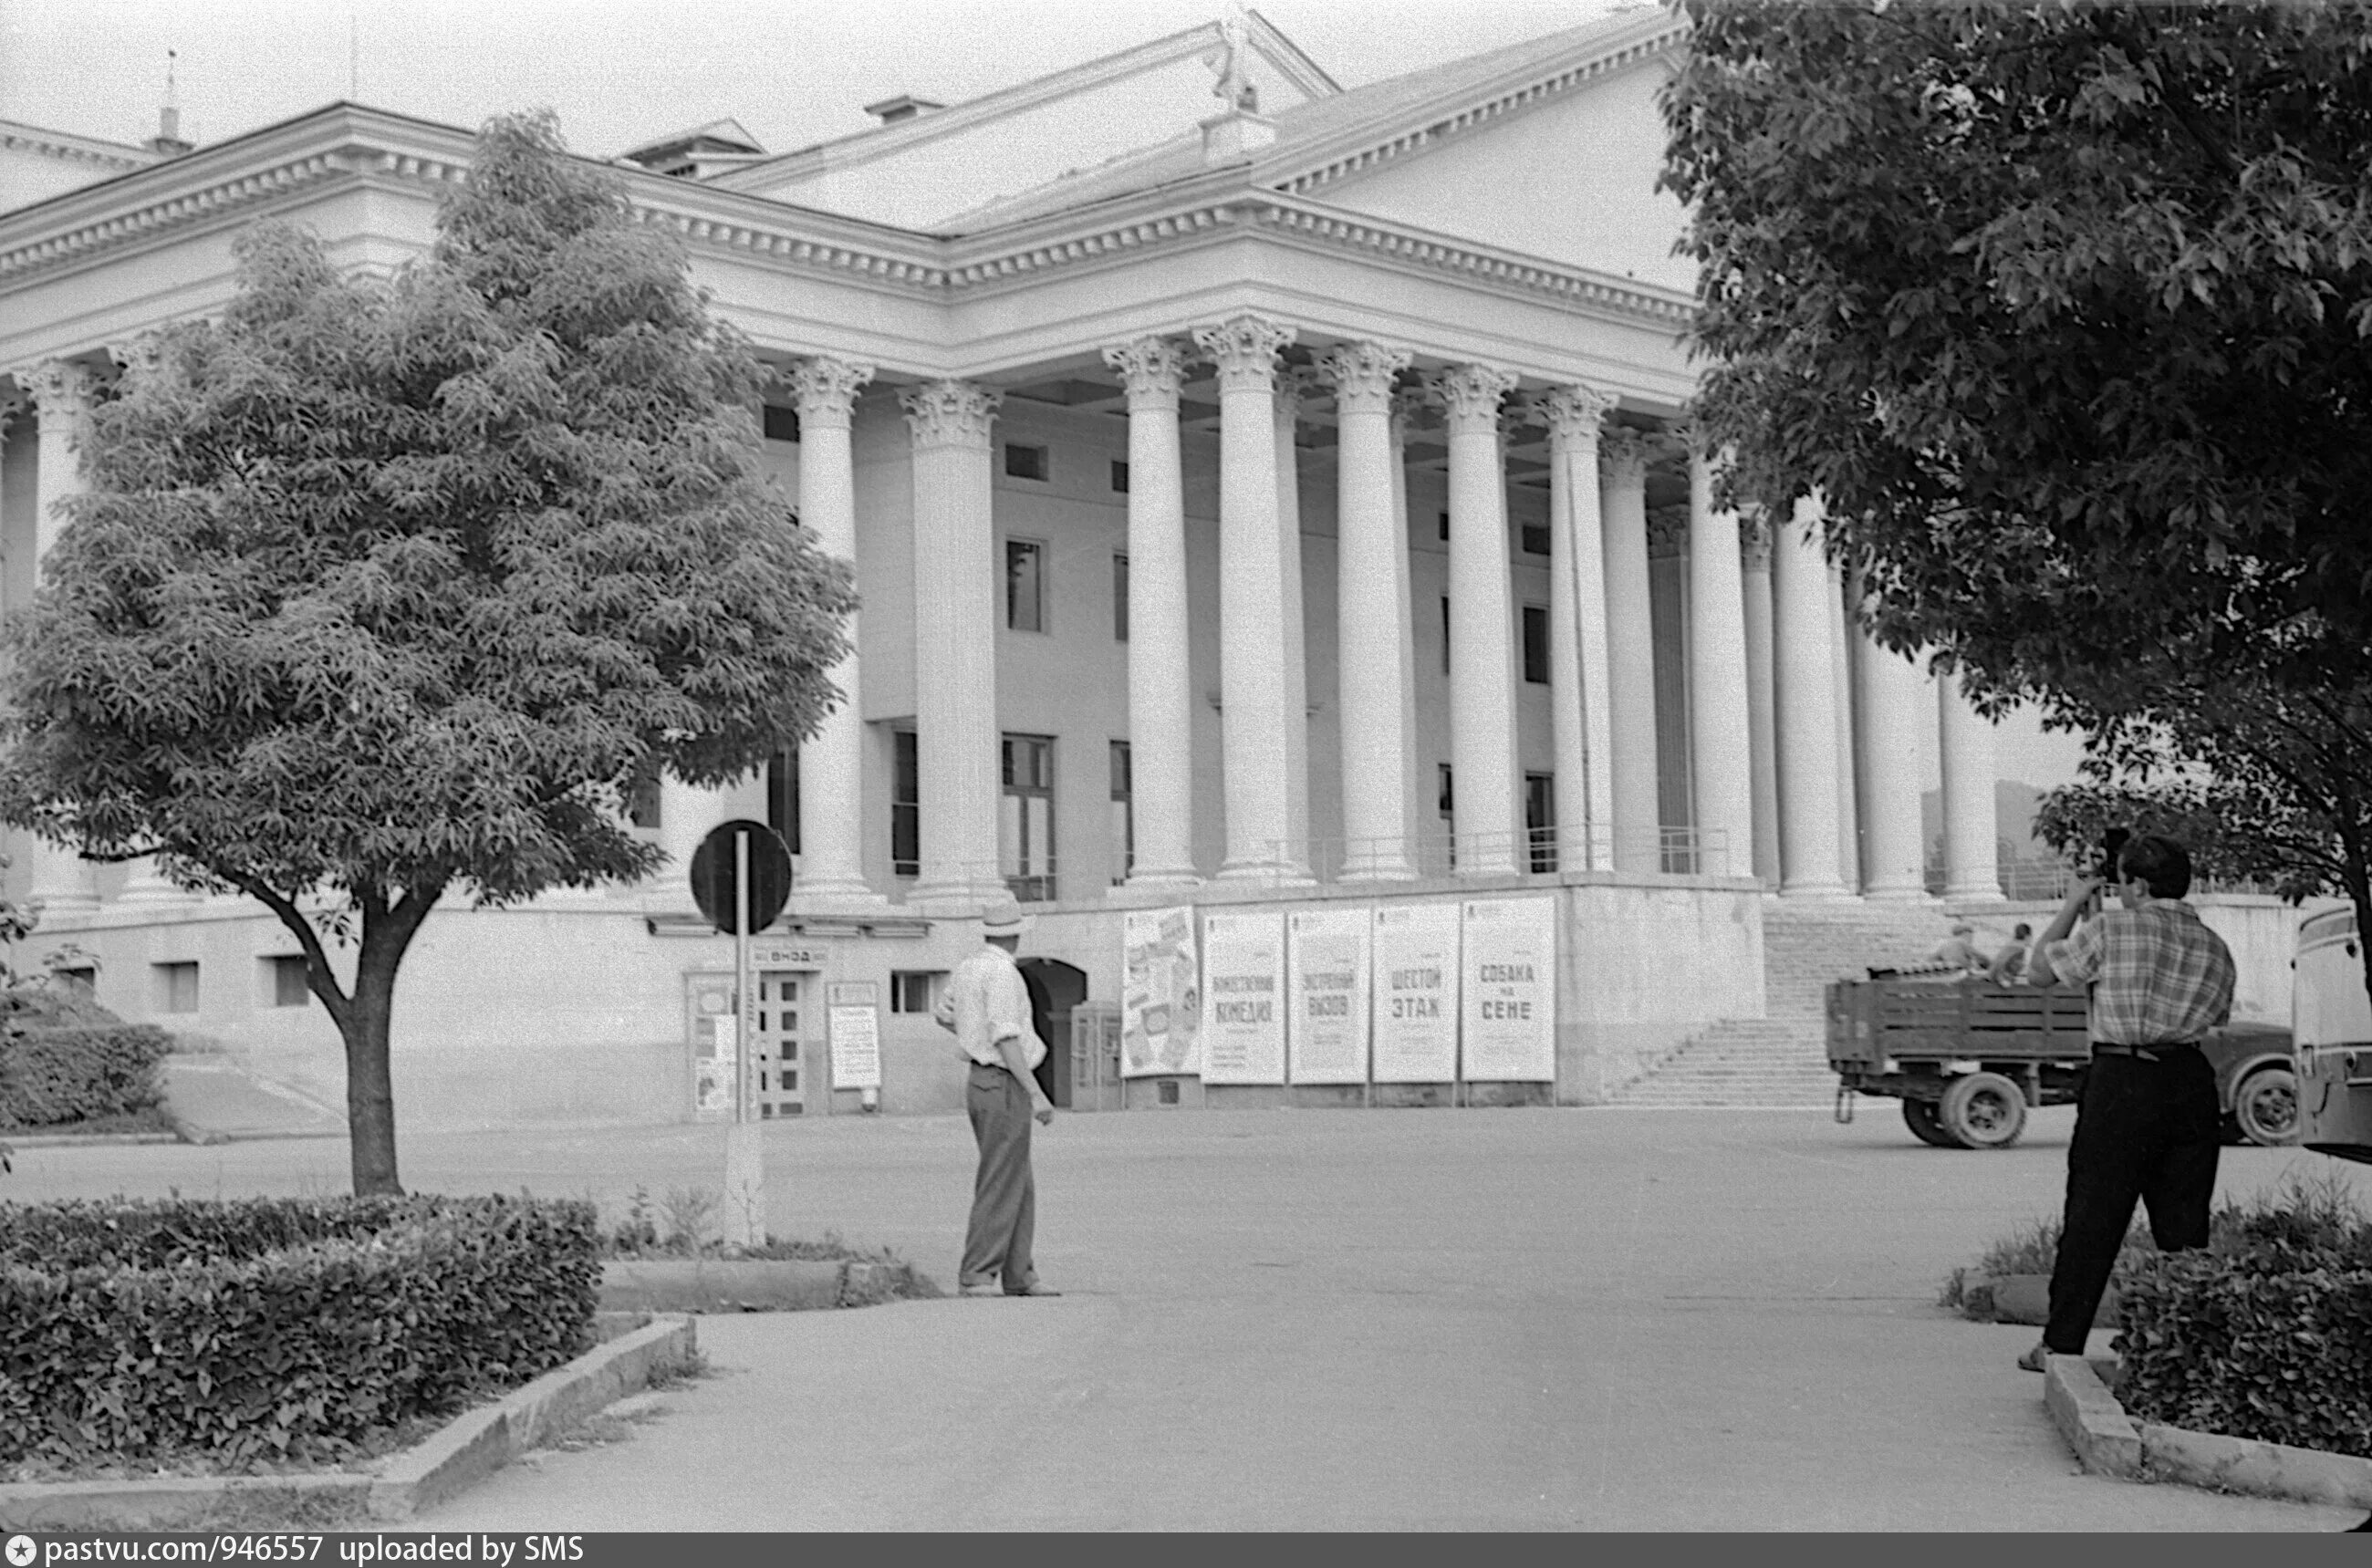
[[1895, 708], [832, 762], [1369, 580], [1160, 685], [955, 575], [1806, 709], [61, 882], [1720, 744], [1482, 652], [1259, 610], [1970, 870], [1754, 548], [1578, 628], [1630, 652]]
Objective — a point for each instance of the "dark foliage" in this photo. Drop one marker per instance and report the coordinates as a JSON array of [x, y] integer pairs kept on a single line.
[[53, 1076]]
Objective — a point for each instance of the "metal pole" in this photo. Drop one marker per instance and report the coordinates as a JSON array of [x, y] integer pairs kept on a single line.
[[741, 1010]]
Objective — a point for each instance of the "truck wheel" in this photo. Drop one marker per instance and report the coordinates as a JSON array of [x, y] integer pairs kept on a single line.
[[2265, 1107], [1983, 1111], [1919, 1115]]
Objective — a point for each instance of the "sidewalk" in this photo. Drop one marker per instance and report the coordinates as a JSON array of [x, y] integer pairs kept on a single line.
[[215, 1098]]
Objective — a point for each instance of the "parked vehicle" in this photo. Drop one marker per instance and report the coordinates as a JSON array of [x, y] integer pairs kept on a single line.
[[2334, 1020], [1968, 1059]]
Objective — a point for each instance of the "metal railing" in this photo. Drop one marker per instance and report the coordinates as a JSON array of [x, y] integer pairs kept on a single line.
[[1533, 852]]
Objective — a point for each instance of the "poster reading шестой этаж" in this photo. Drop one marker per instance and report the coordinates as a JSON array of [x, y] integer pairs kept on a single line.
[[1415, 965]]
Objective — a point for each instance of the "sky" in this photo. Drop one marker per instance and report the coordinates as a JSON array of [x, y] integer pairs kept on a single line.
[[619, 71]]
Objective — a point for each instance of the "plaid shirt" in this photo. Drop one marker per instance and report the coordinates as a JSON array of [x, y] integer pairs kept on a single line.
[[2157, 973]]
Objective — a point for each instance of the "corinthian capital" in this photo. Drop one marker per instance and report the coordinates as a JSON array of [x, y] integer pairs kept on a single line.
[[1574, 414], [824, 390], [1362, 375], [1622, 455], [1245, 350], [1152, 369], [138, 356], [1470, 395], [950, 413], [58, 388]]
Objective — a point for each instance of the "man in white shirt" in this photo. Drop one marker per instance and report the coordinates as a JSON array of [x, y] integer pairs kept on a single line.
[[987, 1006]]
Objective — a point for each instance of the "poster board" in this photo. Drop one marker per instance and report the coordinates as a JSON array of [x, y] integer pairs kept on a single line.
[[1243, 997], [1508, 986], [1161, 1006], [854, 1017], [1327, 1020], [1414, 963]]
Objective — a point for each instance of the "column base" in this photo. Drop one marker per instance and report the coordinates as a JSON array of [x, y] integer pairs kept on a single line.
[[1402, 872], [1977, 893], [70, 904], [1816, 892], [1918, 895]]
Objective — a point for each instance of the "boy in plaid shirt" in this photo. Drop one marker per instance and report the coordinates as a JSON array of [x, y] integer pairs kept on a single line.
[[2149, 1124]]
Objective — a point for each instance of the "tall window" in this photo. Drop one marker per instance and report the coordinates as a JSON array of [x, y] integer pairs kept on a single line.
[[1445, 630], [783, 796], [781, 424], [1023, 462], [1540, 820], [174, 987], [1120, 599], [1025, 584], [905, 805], [1119, 476], [1124, 814], [1447, 806], [1536, 644], [1025, 828], [287, 981]]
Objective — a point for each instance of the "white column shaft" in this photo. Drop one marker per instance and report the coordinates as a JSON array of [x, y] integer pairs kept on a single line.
[[1482, 610], [60, 881], [1371, 569], [1580, 687], [1720, 744], [832, 762], [1967, 744], [1630, 657], [1295, 627], [1761, 717], [1160, 681], [1804, 705], [1841, 651], [1896, 708], [956, 580]]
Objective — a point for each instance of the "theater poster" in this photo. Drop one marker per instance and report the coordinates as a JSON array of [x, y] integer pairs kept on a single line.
[[1161, 1004], [1327, 1023], [1415, 968], [1508, 989], [1243, 997]]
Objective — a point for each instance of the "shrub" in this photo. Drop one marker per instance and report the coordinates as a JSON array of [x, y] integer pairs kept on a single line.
[[275, 1329], [50, 1075]]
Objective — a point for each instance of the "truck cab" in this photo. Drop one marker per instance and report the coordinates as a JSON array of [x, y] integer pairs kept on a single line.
[[2331, 1018]]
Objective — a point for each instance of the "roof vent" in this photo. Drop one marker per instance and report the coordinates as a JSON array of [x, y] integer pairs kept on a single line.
[[906, 106]]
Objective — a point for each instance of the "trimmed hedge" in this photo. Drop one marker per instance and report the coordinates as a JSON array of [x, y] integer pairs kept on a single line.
[[276, 1329], [54, 1075], [2269, 1338]]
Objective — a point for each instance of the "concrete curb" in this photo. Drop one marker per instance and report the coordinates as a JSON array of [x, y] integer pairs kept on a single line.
[[471, 1447], [732, 1285], [2110, 1442]]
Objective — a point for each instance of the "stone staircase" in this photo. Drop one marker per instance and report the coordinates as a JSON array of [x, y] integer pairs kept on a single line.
[[1780, 1058]]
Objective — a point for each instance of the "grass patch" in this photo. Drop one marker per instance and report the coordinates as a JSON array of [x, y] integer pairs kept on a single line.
[[680, 1224]]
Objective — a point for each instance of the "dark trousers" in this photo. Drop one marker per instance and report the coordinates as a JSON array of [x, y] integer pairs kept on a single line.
[[2145, 1129], [1004, 1193]]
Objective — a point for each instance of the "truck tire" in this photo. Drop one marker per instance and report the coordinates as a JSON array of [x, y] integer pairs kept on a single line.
[[2265, 1107], [1920, 1116], [1982, 1110]]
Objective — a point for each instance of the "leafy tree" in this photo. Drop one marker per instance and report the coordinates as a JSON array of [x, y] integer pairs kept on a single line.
[[384, 590], [2063, 311]]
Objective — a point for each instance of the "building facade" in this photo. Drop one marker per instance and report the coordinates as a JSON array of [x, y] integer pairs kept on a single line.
[[1292, 509]]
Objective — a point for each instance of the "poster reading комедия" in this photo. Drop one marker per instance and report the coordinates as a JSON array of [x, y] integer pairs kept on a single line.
[[1161, 1003], [1243, 998], [1507, 989], [1326, 1022], [1416, 965]]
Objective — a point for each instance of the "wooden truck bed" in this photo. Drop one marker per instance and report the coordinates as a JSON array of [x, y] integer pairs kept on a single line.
[[1873, 1021]]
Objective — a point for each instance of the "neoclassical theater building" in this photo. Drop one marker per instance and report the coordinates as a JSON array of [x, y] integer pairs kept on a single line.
[[1267, 499]]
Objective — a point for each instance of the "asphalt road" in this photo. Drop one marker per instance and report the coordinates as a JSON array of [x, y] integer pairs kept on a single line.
[[1482, 1320]]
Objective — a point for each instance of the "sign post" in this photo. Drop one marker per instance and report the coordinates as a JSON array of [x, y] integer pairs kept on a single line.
[[740, 879]]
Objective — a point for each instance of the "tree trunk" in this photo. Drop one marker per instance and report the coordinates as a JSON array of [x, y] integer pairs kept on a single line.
[[370, 1089]]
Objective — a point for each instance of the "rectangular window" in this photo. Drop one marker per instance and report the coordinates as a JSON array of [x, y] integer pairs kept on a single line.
[[1446, 804], [1124, 814], [1536, 644], [175, 987], [1120, 599], [783, 796], [915, 990], [1540, 820], [1025, 823], [1025, 462], [1444, 635], [1119, 476], [1534, 539], [905, 805], [1444, 524], [288, 987], [1025, 584], [781, 424]]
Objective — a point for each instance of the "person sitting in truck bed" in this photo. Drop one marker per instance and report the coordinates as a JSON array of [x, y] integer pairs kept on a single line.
[[1960, 951], [2009, 964]]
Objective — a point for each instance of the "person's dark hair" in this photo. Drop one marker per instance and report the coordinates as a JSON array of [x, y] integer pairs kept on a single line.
[[2160, 862], [2022, 933]]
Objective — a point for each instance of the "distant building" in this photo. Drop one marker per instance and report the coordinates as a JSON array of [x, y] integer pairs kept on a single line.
[[1265, 497]]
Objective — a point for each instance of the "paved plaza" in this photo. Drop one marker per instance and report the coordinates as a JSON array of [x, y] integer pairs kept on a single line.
[[1483, 1319]]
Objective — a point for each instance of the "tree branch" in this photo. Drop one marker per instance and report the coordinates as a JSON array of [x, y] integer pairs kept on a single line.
[[319, 977]]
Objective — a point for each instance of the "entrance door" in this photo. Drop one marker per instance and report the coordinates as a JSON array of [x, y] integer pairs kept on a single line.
[[780, 1027]]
